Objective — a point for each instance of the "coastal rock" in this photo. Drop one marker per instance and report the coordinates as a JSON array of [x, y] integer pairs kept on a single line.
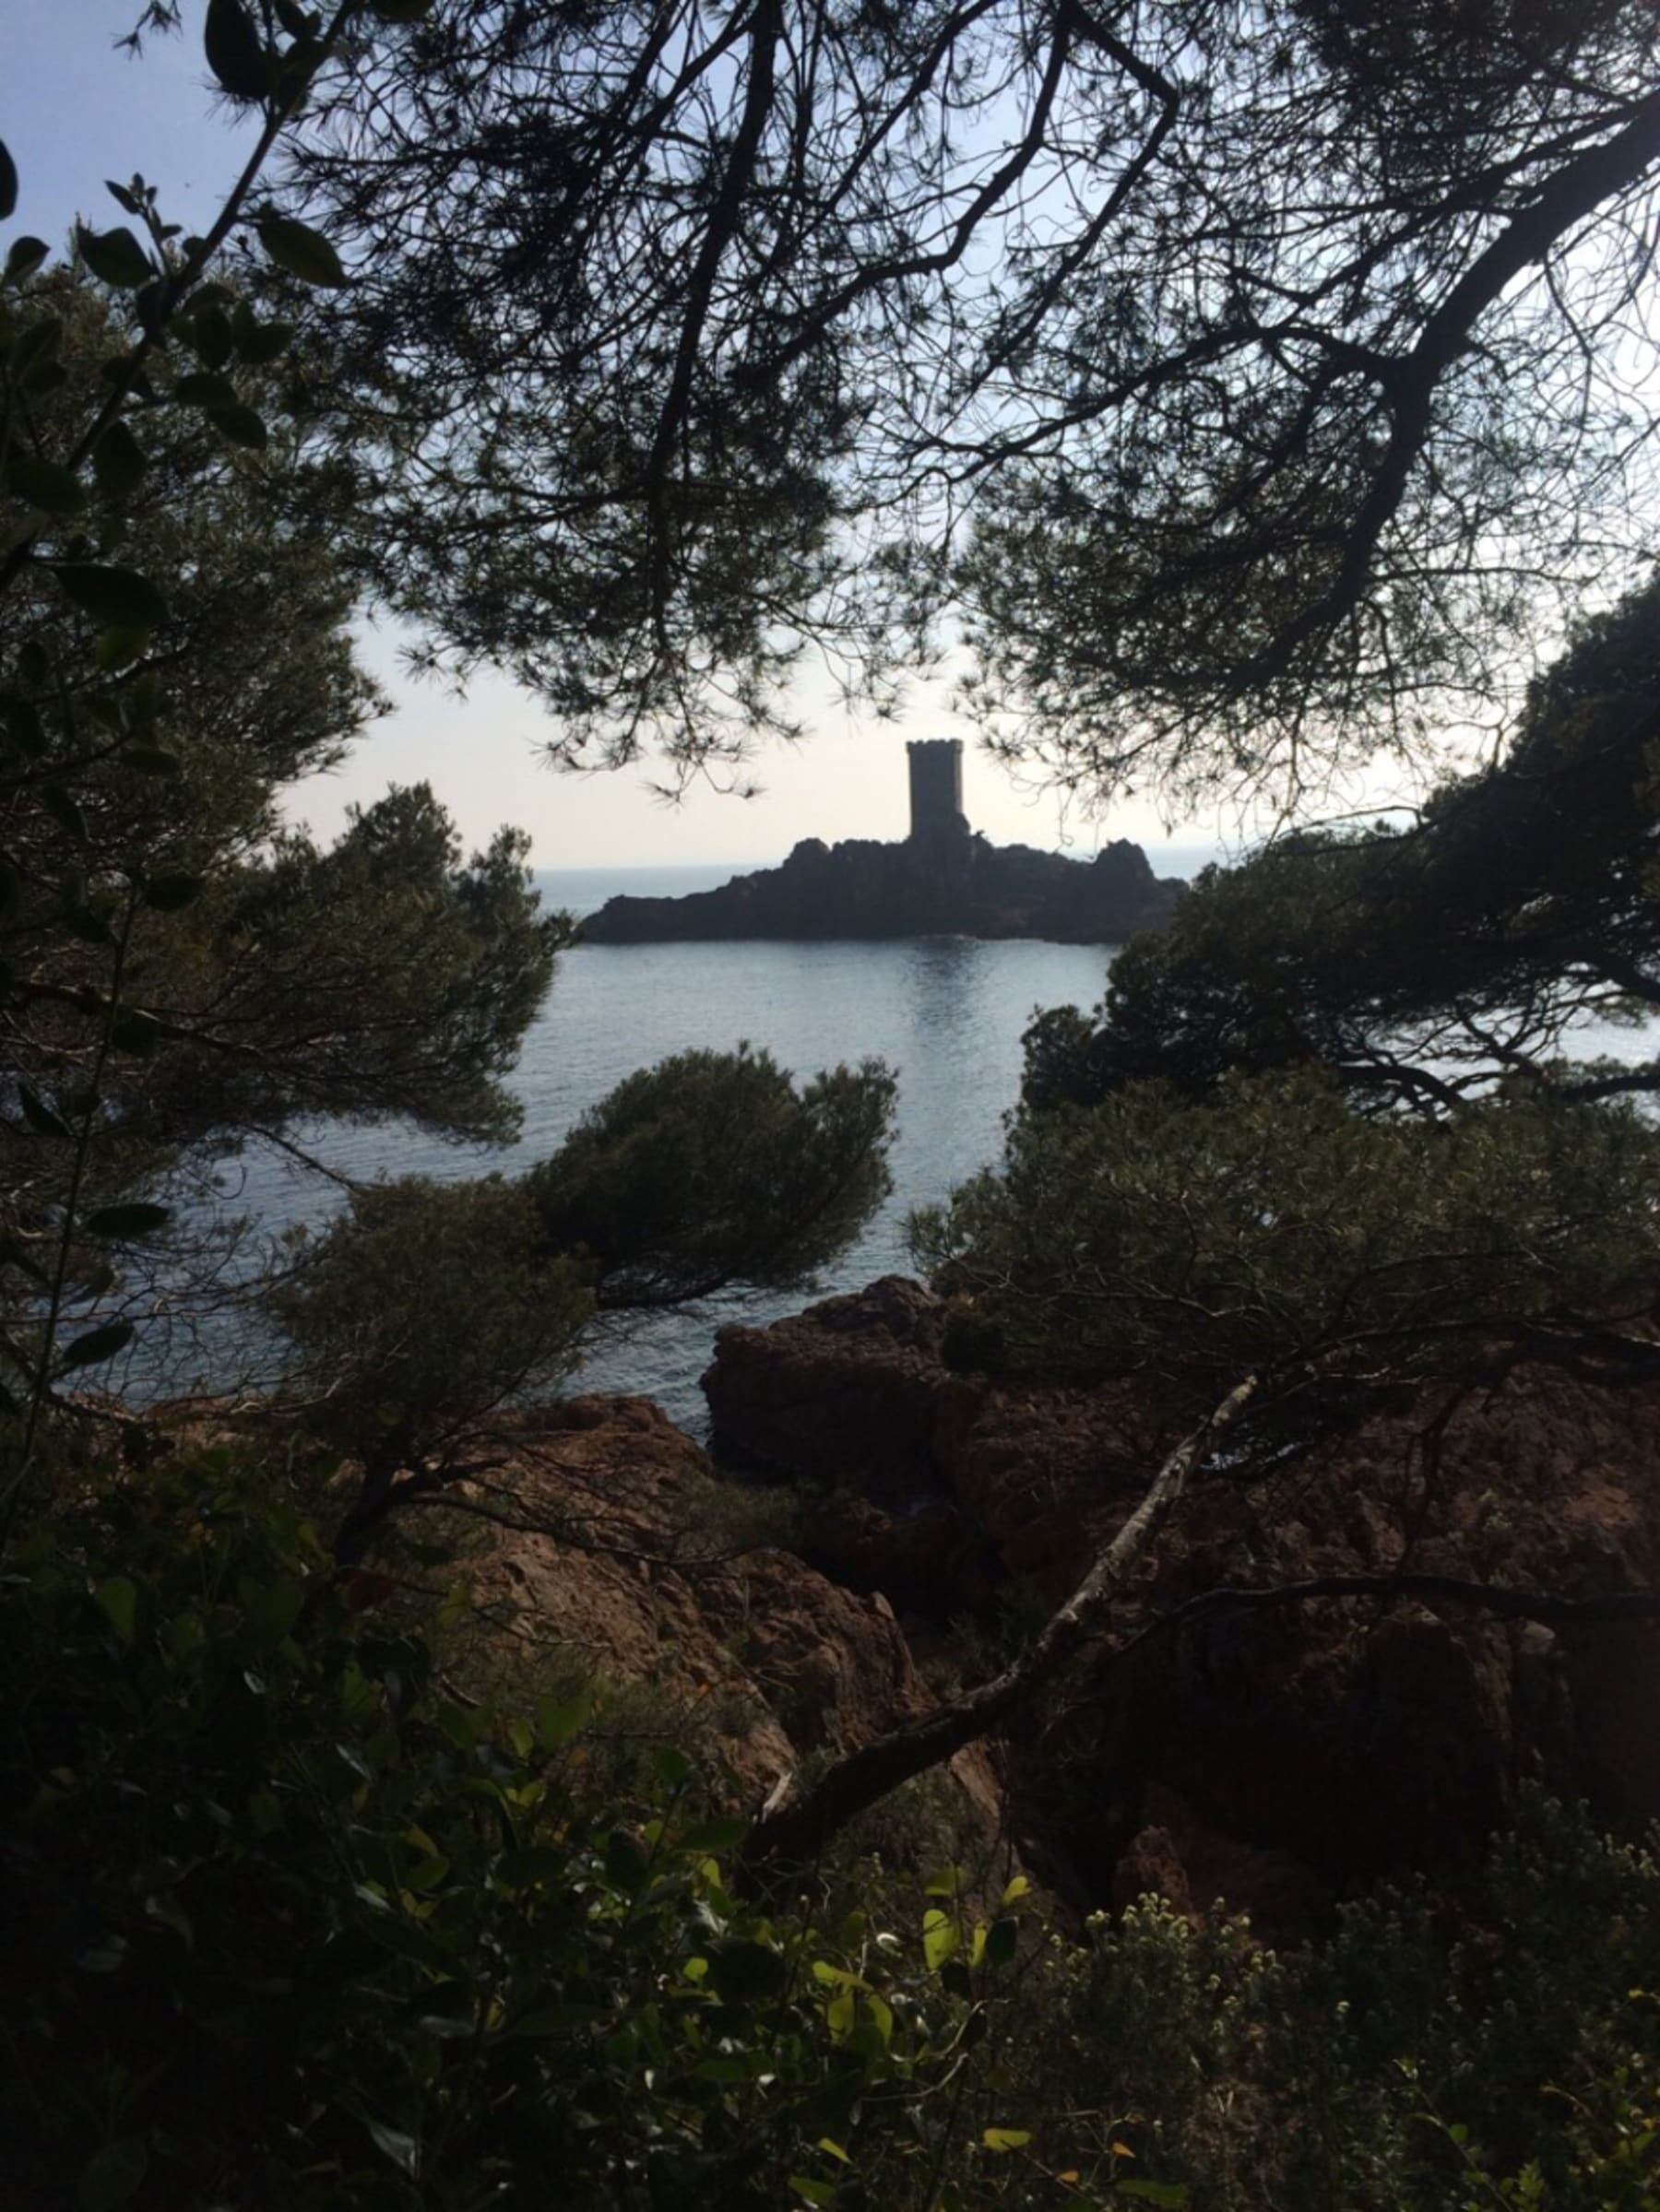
[[1281, 1759], [612, 1561], [951, 885]]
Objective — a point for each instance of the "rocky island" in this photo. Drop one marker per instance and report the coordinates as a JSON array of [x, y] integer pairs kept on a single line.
[[943, 880]]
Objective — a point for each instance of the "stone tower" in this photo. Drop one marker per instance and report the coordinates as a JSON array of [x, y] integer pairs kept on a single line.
[[936, 790]]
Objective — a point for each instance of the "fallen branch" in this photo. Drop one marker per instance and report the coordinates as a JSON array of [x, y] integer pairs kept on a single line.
[[797, 1824]]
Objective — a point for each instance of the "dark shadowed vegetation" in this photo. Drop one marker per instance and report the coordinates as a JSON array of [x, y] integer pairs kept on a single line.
[[1252, 387]]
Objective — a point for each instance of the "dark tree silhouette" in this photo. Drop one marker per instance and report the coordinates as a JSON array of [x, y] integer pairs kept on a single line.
[[1248, 377]]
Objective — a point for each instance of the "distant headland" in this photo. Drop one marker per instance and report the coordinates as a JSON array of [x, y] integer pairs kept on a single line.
[[944, 881]]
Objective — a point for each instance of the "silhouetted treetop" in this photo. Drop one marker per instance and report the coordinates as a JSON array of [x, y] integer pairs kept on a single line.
[[1248, 377], [1421, 967]]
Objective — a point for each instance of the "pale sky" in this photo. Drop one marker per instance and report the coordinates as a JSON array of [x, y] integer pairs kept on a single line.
[[74, 111]]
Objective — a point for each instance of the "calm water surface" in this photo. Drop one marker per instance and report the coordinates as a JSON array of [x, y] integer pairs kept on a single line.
[[946, 1013]]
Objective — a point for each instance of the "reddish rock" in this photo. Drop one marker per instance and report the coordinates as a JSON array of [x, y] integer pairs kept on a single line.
[[846, 1391], [1311, 1750], [610, 1559]]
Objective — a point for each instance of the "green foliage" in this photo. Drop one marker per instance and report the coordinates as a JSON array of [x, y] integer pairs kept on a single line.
[[713, 1168], [287, 1924], [428, 1310], [1424, 2056], [1272, 1227], [385, 978], [177, 974], [424, 1308], [1425, 964]]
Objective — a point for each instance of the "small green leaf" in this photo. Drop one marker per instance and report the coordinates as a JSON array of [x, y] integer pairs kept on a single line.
[[403, 2150], [39, 1115], [271, 1609], [718, 1835], [625, 1860], [120, 596], [1006, 2138], [941, 1937], [117, 1599], [728, 2067], [115, 257], [243, 425], [816, 2193], [44, 484], [201, 389], [1003, 1941], [97, 1345], [303, 252], [114, 2175], [8, 182], [234, 51], [22, 724], [673, 1765], [407, 1939], [557, 1722], [118, 462], [1172, 2194], [168, 894], [13, 1255], [259, 344], [206, 331], [139, 1218], [25, 257], [143, 700]]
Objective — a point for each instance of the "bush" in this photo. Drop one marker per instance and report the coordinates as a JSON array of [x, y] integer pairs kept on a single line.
[[289, 1924]]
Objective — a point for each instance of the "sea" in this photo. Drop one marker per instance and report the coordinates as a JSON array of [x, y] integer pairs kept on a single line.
[[946, 1013]]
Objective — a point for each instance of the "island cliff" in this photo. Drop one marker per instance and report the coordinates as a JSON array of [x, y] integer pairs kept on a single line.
[[943, 880]]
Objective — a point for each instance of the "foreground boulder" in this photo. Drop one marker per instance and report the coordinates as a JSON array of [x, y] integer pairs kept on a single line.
[[1277, 1760]]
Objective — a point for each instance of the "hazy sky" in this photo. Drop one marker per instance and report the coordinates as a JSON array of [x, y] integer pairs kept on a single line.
[[74, 110]]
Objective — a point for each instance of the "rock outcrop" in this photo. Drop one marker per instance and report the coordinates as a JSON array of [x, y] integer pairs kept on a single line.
[[939, 886], [1277, 1760], [608, 1558]]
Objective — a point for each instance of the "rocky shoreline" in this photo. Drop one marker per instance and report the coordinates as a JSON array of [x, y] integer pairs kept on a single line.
[[1278, 1761]]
